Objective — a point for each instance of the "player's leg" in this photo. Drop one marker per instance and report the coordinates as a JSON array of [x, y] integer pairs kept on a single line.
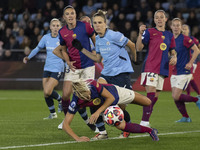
[[178, 84], [136, 128], [49, 99], [149, 80], [49, 89]]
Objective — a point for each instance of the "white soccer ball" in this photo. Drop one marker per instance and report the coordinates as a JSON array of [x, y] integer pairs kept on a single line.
[[113, 115]]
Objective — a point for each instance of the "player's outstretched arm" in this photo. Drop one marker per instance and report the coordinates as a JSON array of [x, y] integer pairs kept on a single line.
[[66, 127], [139, 44], [77, 44], [131, 45], [57, 52]]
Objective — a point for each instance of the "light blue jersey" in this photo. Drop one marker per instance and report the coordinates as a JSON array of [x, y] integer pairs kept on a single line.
[[52, 63], [112, 49]]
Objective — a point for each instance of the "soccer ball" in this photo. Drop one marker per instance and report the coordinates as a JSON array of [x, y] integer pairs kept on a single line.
[[113, 115]]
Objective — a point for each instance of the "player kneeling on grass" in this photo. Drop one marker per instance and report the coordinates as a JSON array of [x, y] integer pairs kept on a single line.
[[92, 92]]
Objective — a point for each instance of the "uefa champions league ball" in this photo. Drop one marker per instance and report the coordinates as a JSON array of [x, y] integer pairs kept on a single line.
[[113, 115]]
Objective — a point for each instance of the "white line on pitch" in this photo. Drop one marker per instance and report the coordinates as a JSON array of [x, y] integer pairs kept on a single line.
[[70, 142]]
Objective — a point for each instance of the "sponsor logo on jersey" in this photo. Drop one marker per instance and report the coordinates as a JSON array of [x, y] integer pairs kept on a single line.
[[96, 101], [163, 46]]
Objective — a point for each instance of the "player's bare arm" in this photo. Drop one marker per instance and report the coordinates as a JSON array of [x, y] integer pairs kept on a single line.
[[173, 57], [194, 56], [131, 45], [66, 127], [109, 99], [139, 44]]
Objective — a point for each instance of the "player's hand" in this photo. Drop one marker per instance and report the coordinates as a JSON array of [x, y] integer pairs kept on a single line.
[[25, 60], [71, 66], [83, 139], [93, 118], [173, 60], [188, 66], [77, 44], [142, 29]]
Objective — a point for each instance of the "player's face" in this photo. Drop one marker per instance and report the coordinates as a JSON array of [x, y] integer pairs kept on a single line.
[[185, 30], [99, 25], [55, 27], [176, 27], [69, 16], [160, 19]]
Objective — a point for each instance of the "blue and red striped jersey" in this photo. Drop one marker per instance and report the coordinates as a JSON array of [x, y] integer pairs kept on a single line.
[[83, 31], [158, 45], [183, 45]]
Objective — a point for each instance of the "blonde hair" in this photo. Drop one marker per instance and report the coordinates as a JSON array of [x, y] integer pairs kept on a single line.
[[160, 10], [80, 88], [177, 19], [55, 19], [101, 13]]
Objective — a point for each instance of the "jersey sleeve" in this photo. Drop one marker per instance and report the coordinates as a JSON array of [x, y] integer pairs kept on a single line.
[[89, 29], [73, 106], [97, 86], [188, 42], [119, 39], [41, 45], [172, 44], [196, 41], [62, 42], [145, 37]]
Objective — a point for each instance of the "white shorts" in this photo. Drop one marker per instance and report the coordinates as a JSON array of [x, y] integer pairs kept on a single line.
[[86, 73], [194, 68], [180, 81], [152, 79], [126, 96]]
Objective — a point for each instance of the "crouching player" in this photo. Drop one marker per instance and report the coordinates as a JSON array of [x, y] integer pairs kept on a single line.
[[89, 93]]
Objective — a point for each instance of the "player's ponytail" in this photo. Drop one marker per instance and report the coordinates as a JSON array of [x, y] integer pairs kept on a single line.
[[101, 13]]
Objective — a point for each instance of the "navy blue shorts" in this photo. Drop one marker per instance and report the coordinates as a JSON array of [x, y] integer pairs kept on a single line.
[[55, 75], [122, 80]]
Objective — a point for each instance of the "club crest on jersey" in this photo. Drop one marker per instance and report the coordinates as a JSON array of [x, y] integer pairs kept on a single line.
[[58, 43], [74, 36], [190, 40], [163, 37], [96, 101], [107, 43], [163, 46], [151, 79]]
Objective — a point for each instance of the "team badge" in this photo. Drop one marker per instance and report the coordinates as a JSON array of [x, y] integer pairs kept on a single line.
[[163, 37], [163, 46], [107, 43], [74, 36], [151, 79], [190, 41], [96, 101]]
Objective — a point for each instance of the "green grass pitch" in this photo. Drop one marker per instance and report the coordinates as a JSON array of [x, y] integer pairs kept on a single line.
[[22, 126]]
